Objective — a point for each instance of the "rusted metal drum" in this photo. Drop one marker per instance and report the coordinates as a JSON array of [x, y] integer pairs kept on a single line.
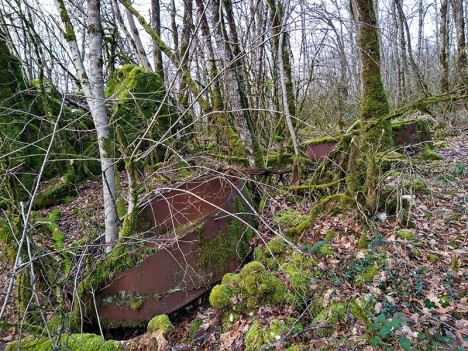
[[412, 132], [198, 231], [319, 151]]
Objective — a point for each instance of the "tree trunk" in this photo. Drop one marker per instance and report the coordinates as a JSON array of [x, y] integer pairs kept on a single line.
[[219, 117], [156, 23], [462, 61], [140, 51], [374, 100], [296, 174], [443, 49], [362, 173], [185, 49], [124, 29], [93, 89], [420, 84]]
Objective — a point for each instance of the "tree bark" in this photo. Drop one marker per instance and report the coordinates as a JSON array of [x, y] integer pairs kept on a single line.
[[374, 100], [420, 84], [140, 51], [462, 61], [156, 23], [443, 48], [93, 89]]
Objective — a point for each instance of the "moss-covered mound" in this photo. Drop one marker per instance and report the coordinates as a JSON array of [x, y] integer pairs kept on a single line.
[[299, 271], [73, 342], [251, 288], [137, 95], [160, 323], [28, 112]]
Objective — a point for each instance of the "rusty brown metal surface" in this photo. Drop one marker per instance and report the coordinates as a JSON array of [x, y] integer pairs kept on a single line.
[[409, 135], [319, 152], [172, 277]]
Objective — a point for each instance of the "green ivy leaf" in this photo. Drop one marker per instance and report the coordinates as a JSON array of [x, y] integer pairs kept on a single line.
[[385, 331], [382, 318], [405, 343], [376, 341]]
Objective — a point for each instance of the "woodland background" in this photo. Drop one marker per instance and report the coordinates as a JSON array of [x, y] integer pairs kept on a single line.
[[103, 102]]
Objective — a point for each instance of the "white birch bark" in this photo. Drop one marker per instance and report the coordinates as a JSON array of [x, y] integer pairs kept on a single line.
[[93, 89], [140, 51], [125, 31]]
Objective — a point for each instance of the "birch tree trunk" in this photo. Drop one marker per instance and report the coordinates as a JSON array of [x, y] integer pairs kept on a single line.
[[139, 45], [92, 84]]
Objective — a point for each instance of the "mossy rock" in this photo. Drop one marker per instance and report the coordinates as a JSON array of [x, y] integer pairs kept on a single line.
[[73, 342], [27, 117], [160, 323], [138, 94], [257, 338], [251, 288]]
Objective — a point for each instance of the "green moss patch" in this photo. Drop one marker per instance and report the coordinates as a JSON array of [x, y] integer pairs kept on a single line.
[[366, 277], [289, 218], [138, 94], [299, 271], [322, 140], [160, 323], [251, 288], [73, 342], [430, 155], [405, 235], [258, 338]]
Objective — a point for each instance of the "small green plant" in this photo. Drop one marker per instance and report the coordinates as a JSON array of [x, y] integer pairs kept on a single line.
[[384, 329], [321, 248], [460, 169]]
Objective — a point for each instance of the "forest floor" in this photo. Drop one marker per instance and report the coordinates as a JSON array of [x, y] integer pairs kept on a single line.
[[416, 295], [410, 282]]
